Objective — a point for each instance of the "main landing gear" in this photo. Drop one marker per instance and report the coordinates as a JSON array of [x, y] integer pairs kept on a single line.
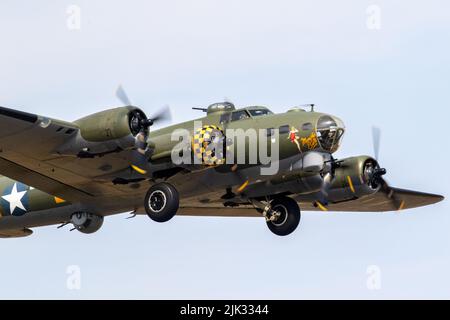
[[162, 202], [282, 215]]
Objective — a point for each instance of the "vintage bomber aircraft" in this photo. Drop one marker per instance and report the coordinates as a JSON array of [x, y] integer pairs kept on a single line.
[[58, 172]]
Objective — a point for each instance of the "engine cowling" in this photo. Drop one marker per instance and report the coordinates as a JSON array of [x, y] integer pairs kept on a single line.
[[353, 178], [86, 222], [105, 132], [111, 124]]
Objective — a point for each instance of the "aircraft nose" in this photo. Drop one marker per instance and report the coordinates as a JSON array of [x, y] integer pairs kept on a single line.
[[339, 122], [330, 130]]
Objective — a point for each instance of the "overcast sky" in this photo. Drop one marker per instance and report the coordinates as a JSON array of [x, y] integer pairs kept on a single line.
[[383, 63]]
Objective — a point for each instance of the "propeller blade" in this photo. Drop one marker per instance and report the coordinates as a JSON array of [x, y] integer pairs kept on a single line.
[[376, 136], [139, 162], [240, 178], [163, 114], [139, 159], [122, 96], [322, 198]]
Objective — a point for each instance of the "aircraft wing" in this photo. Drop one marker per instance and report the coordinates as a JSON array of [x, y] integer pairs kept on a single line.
[[28, 153], [378, 202]]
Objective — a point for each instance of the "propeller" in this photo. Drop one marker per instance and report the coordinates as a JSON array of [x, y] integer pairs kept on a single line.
[[122, 96], [376, 136], [378, 173], [162, 115], [373, 171], [140, 125], [328, 178]]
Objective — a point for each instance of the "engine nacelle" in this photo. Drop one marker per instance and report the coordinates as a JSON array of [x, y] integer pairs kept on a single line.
[[105, 132], [111, 124], [86, 222], [354, 178]]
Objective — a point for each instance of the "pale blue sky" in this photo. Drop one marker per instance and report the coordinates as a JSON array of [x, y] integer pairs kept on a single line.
[[276, 53]]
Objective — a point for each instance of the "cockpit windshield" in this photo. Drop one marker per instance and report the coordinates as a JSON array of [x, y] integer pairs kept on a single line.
[[329, 133], [259, 112]]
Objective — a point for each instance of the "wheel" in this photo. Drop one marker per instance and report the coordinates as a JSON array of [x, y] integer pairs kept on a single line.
[[161, 202], [289, 217]]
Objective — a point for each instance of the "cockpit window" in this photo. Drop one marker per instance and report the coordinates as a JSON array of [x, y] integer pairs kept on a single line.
[[329, 133], [239, 115], [260, 112], [225, 118]]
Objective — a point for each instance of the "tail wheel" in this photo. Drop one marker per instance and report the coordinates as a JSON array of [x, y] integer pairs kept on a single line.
[[288, 216], [162, 202]]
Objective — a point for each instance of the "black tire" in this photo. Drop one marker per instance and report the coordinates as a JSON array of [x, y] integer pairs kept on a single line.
[[289, 218], [162, 202]]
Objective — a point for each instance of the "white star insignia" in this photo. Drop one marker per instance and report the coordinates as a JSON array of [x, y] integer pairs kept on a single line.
[[15, 199]]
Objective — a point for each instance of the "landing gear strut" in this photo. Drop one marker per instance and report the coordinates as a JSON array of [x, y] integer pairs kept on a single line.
[[282, 215], [162, 202]]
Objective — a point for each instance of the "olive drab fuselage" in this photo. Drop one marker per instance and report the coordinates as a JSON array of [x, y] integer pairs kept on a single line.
[[297, 134], [297, 131]]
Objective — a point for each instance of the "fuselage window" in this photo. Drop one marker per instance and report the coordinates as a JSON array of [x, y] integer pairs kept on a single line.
[[307, 126], [284, 129], [239, 115], [260, 112]]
